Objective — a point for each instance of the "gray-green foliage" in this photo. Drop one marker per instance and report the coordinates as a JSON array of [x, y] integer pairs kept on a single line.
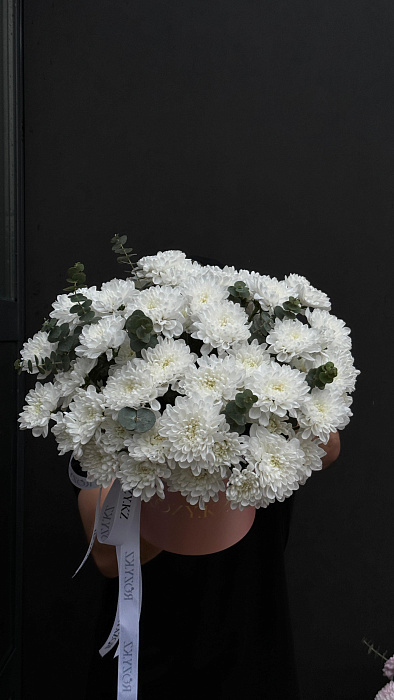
[[139, 420], [239, 293], [140, 331], [237, 411], [320, 376], [118, 246]]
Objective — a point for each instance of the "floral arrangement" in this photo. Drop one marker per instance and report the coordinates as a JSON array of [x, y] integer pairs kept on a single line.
[[387, 692], [192, 377]]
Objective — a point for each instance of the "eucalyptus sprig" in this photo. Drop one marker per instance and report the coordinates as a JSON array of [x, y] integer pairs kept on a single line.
[[320, 376], [239, 293], [118, 246], [290, 309], [237, 411], [140, 331]]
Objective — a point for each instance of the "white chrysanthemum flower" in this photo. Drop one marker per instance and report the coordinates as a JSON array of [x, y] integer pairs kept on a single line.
[[203, 289], [64, 439], [113, 435], [38, 346], [67, 382], [122, 356], [277, 462], [101, 337], [164, 306], [306, 293], [291, 338], [192, 426], [130, 385], [167, 267], [42, 401], [215, 377], [280, 390], [62, 305], [228, 452], [196, 488], [149, 445], [324, 413], [168, 360], [386, 693], [270, 292], [249, 357], [251, 279], [84, 417], [143, 478], [345, 381], [220, 325], [244, 489], [332, 329], [101, 466], [112, 295], [313, 455], [274, 424]]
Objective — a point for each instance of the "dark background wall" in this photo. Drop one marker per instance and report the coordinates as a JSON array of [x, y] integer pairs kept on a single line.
[[260, 133]]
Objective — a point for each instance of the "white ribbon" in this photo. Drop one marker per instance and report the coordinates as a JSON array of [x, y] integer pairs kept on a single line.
[[117, 523]]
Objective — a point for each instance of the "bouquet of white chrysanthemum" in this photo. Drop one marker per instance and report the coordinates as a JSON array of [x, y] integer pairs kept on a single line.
[[192, 377]]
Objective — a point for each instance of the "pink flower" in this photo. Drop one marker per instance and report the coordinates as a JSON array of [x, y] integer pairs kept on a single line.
[[386, 693], [388, 668]]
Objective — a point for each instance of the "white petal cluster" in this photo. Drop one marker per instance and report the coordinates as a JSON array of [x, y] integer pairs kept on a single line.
[[42, 402], [148, 446], [204, 289], [196, 488], [130, 385], [249, 357], [166, 267], [280, 389], [306, 293], [144, 478], [82, 421], [164, 306], [222, 382], [333, 331], [277, 462], [37, 346], [101, 466], [313, 455], [220, 325], [214, 377], [271, 292], [191, 428], [113, 435], [168, 360], [102, 337], [67, 382], [324, 413], [291, 338], [244, 489], [113, 295]]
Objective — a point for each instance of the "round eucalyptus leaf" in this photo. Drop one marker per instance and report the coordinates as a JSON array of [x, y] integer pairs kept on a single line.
[[127, 418], [145, 420]]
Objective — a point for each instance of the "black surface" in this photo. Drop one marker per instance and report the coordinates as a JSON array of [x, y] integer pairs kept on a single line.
[[258, 133]]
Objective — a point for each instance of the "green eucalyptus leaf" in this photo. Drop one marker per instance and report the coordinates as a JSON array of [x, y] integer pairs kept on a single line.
[[54, 335], [127, 418], [87, 317], [30, 366], [145, 420]]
